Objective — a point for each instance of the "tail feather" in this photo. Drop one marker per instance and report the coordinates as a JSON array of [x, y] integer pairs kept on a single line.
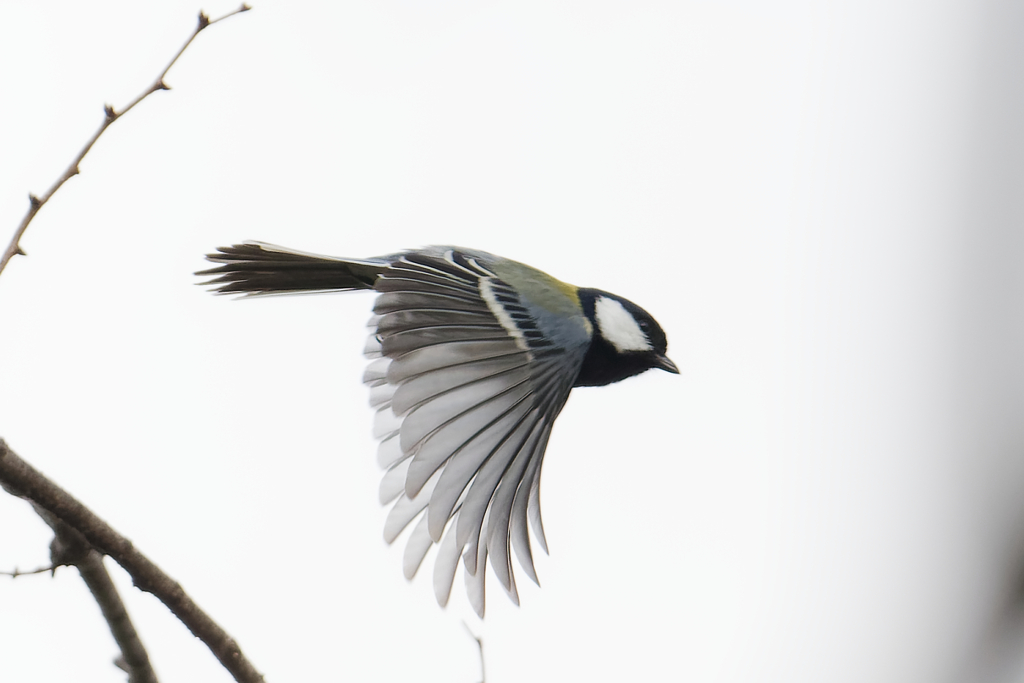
[[257, 268]]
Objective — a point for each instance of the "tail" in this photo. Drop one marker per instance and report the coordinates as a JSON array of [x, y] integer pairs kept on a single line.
[[257, 268]]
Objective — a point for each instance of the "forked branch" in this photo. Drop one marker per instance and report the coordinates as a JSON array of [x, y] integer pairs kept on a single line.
[[21, 479]]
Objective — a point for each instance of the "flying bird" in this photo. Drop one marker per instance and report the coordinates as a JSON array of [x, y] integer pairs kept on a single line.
[[472, 357]]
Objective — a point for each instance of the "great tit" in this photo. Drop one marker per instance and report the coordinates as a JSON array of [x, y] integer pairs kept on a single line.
[[472, 359]]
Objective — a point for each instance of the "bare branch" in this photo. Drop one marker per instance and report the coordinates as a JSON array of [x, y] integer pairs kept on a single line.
[[69, 547], [21, 479], [17, 572], [134, 659], [110, 115]]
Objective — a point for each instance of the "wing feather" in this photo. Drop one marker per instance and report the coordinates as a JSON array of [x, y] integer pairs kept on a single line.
[[478, 498], [533, 510], [400, 301], [439, 446], [445, 265], [464, 465], [398, 343], [467, 382], [428, 385], [499, 518], [445, 565], [519, 525], [406, 509], [475, 580], [392, 484], [491, 395], [385, 422], [424, 282], [390, 451], [416, 549], [381, 394], [449, 355], [376, 372], [411, 319], [497, 542]]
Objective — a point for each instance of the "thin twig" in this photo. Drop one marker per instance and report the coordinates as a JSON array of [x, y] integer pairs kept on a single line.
[[23, 480], [17, 572], [35, 203], [480, 646]]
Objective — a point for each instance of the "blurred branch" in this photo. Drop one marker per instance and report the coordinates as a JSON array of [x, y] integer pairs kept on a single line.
[[480, 646], [111, 115], [21, 479]]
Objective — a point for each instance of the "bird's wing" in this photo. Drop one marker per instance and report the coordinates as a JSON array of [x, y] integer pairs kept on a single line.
[[466, 389]]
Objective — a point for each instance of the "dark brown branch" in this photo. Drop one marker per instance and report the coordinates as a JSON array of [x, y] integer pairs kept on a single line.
[[134, 659], [23, 480], [69, 547], [36, 203]]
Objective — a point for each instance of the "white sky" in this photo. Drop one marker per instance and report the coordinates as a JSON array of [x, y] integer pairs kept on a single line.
[[821, 206]]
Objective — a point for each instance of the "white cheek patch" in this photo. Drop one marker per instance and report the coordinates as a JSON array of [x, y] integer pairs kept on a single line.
[[618, 326]]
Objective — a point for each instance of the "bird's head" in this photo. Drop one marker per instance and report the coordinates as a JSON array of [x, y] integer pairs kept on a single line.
[[626, 341]]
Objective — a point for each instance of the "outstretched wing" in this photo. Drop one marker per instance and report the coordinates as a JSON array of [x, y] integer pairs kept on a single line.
[[467, 383]]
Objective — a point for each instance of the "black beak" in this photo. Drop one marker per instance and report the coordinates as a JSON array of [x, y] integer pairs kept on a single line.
[[665, 364]]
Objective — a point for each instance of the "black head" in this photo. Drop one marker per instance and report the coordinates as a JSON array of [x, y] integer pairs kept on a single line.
[[626, 340]]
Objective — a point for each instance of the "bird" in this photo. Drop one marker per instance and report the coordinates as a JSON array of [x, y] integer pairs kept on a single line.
[[471, 358]]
